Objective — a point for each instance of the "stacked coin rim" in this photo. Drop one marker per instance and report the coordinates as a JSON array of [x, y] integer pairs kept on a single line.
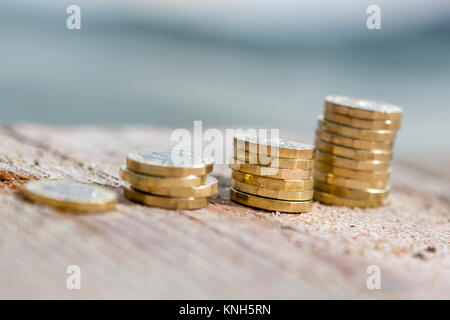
[[64, 196]]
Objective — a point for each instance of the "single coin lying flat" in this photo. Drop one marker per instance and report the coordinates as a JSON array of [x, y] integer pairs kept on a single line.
[[70, 196]]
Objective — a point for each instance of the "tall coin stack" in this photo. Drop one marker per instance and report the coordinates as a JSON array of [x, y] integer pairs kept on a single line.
[[168, 179], [274, 175], [354, 142]]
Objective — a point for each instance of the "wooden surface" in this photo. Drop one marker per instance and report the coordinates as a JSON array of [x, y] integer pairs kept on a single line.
[[223, 251]]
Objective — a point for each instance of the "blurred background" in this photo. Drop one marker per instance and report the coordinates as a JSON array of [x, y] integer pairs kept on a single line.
[[230, 63]]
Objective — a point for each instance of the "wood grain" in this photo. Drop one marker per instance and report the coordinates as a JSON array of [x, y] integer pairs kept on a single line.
[[223, 251]]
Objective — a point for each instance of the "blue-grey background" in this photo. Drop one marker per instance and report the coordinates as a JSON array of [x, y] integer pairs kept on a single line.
[[229, 63]]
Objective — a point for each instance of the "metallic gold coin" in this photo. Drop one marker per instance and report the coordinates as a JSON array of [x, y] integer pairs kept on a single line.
[[346, 182], [354, 194], [165, 202], [353, 153], [362, 123], [202, 191], [373, 165], [270, 172], [387, 136], [330, 199], [362, 108], [284, 163], [354, 143], [371, 176], [168, 163], [270, 204], [283, 185], [143, 182], [69, 196], [282, 148], [272, 193]]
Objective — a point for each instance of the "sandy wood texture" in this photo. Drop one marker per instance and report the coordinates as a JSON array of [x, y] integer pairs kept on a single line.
[[222, 251]]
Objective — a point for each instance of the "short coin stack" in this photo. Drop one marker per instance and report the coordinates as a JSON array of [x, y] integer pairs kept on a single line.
[[168, 179], [354, 142], [274, 175]]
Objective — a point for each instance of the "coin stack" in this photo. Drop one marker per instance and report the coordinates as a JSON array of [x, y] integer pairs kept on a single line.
[[354, 142], [274, 175], [168, 179]]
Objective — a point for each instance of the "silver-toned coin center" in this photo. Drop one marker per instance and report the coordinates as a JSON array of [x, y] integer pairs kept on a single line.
[[279, 143], [71, 192], [167, 158]]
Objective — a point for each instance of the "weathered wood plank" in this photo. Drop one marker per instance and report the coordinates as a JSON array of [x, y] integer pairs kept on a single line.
[[222, 251]]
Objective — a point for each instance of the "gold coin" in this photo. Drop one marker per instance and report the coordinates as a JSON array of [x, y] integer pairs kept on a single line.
[[330, 199], [283, 185], [69, 196], [362, 108], [270, 172], [168, 163], [353, 153], [282, 148], [272, 193], [387, 136], [362, 123], [284, 163], [354, 194], [371, 176], [346, 182], [373, 165], [270, 204], [353, 143], [143, 182], [165, 202], [202, 191]]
